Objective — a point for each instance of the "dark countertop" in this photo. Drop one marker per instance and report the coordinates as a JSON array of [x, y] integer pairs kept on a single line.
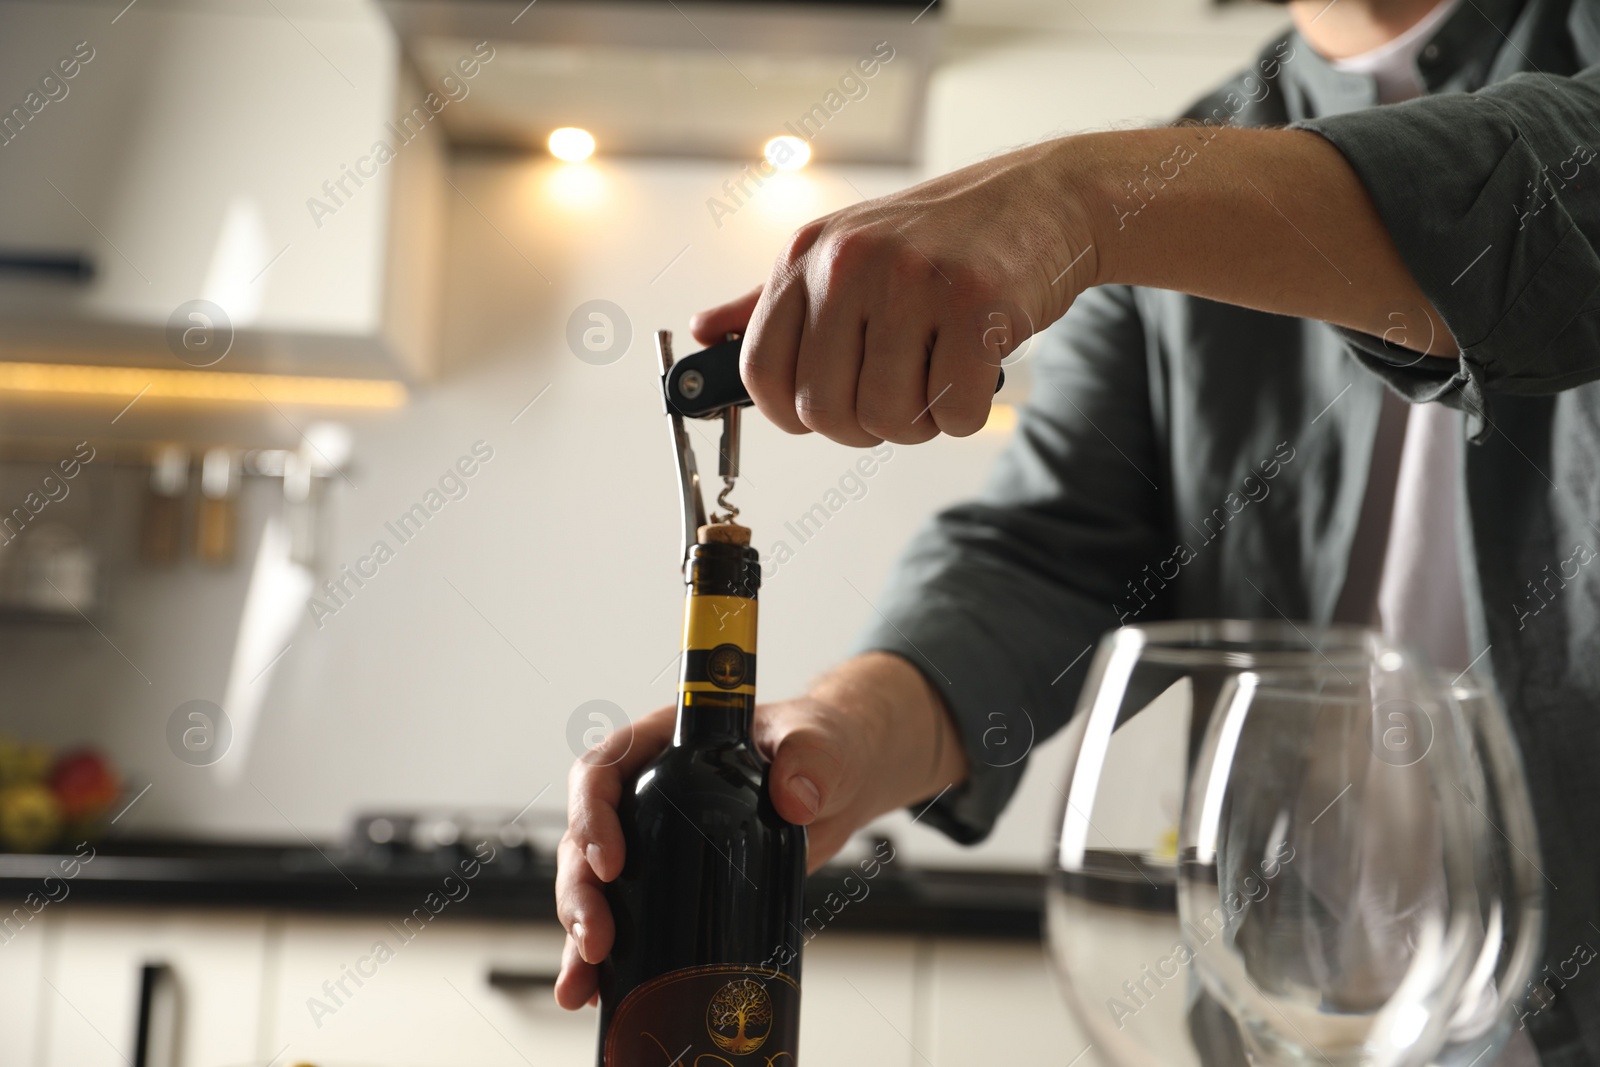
[[515, 884]]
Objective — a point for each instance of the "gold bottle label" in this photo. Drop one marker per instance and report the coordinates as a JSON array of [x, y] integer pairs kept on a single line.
[[719, 645], [723, 1016]]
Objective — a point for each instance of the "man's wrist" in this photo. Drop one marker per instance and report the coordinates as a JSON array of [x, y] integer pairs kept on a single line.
[[1113, 177], [1071, 181]]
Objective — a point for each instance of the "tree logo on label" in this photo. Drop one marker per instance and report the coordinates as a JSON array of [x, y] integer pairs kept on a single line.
[[725, 666], [739, 1017]]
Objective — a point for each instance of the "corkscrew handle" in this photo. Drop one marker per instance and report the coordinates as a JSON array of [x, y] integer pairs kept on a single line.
[[704, 385], [707, 383]]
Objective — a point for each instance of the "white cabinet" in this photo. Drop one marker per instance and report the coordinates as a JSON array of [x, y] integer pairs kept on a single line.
[[428, 1002], [856, 1004], [23, 935], [89, 993], [986, 1002], [183, 156], [459, 993], [425, 1001]]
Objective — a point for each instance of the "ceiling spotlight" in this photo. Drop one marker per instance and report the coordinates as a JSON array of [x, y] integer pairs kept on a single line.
[[787, 153], [571, 144]]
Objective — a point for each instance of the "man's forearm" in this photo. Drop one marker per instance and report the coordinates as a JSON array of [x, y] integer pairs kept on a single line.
[[1274, 220]]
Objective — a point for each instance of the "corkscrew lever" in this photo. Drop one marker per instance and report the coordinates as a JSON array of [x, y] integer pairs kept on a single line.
[[692, 504]]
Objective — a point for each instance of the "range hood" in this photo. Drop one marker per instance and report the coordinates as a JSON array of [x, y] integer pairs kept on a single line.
[[670, 78], [186, 196]]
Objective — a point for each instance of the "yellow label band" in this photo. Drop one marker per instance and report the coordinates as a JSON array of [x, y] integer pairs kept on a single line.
[[691, 688], [710, 621]]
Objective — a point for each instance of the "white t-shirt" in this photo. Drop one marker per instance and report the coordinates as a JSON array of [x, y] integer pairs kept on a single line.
[[1420, 601], [1394, 65], [1419, 598]]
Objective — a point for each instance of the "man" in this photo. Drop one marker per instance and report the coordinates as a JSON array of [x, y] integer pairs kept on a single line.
[[1220, 277]]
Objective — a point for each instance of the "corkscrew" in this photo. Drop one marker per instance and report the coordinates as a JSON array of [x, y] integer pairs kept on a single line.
[[703, 385], [706, 385]]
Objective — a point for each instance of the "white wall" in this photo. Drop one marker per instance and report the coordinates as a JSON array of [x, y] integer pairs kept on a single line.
[[563, 554]]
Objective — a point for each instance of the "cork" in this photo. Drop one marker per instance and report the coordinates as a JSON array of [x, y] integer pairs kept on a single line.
[[726, 533]]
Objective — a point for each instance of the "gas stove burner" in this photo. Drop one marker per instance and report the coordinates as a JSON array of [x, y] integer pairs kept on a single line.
[[383, 836], [383, 831]]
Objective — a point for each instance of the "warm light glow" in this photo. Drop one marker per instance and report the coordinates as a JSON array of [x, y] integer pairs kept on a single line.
[[787, 153], [1002, 419], [787, 200], [571, 144], [129, 382], [575, 186]]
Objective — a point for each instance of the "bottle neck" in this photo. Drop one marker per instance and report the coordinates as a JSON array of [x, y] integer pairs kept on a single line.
[[717, 686], [703, 724]]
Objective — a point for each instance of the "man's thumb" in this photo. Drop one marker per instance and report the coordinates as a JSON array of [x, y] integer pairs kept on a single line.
[[806, 776], [712, 325]]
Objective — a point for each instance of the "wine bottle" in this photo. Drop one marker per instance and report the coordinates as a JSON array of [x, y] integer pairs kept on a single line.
[[705, 967]]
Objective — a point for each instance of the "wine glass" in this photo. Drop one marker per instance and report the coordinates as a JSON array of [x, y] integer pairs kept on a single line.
[[1511, 882], [1116, 942], [1328, 881], [1122, 956]]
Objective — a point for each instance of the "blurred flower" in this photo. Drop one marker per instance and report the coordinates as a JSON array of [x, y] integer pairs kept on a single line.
[[22, 764], [84, 783], [30, 817]]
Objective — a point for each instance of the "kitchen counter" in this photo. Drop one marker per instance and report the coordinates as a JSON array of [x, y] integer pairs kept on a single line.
[[515, 884]]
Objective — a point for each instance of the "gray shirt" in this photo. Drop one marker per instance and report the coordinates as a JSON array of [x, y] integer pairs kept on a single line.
[[1181, 458]]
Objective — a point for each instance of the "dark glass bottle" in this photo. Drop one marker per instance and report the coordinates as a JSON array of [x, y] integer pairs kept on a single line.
[[705, 968]]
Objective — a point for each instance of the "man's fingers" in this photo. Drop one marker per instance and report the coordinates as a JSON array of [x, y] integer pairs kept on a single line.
[[713, 324], [771, 349], [580, 903], [594, 787], [578, 981], [592, 796], [892, 392], [826, 373], [961, 380], [842, 280], [592, 849]]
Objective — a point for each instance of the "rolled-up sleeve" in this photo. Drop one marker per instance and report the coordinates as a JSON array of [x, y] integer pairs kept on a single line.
[[997, 601], [1493, 201]]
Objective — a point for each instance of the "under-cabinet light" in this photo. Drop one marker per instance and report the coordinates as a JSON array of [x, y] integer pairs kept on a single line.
[[131, 382]]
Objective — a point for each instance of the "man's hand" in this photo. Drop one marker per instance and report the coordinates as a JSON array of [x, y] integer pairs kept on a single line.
[[888, 320], [871, 737]]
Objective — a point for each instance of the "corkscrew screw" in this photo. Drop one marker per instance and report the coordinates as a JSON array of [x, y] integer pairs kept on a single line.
[[703, 385]]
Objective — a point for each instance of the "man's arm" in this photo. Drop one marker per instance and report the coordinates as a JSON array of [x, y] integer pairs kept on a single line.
[[888, 320], [1493, 200], [1274, 220], [877, 322]]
